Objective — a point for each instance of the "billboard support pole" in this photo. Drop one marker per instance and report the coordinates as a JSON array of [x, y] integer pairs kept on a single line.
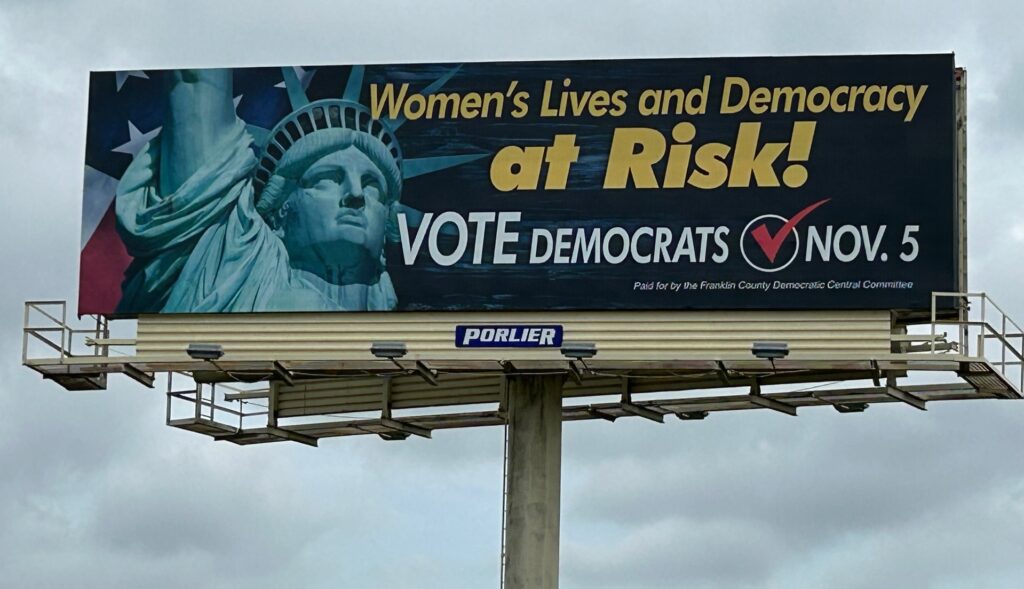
[[960, 112], [534, 467]]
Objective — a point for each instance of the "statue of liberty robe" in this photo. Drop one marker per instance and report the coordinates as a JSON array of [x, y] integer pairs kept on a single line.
[[205, 249]]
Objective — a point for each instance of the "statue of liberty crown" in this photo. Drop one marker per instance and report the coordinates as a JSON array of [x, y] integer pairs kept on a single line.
[[313, 129], [317, 116]]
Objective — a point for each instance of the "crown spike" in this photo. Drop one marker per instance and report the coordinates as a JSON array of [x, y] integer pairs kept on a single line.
[[428, 165], [296, 93], [349, 111], [434, 87], [354, 86]]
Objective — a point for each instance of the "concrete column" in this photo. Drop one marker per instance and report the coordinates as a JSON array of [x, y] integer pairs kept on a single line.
[[534, 481]]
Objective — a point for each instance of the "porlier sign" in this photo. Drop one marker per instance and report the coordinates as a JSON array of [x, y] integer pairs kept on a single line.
[[756, 183], [508, 336]]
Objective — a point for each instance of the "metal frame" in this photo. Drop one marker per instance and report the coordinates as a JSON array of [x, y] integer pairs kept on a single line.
[[401, 398], [55, 317], [55, 333], [1006, 335], [960, 173]]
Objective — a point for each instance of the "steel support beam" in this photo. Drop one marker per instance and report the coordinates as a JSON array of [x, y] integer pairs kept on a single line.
[[772, 404], [644, 412], [405, 428], [293, 436], [282, 373], [426, 373], [146, 379], [627, 405], [756, 398], [601, 414], [534, 471], [246, 395], [901, 395]]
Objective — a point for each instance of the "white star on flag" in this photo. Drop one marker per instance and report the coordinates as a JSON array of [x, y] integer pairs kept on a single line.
[[304, 76], [136, 140], [238, 100], [123, 76]]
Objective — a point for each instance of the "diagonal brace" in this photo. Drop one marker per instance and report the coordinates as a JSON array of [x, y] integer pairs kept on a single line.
[[758, 399], [900, 395], [405, 428], [644, 412]]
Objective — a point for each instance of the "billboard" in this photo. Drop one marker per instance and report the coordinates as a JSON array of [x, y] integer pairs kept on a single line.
[[724, 183]]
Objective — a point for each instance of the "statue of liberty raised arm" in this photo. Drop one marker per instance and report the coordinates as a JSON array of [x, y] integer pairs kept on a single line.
[[300, 224]]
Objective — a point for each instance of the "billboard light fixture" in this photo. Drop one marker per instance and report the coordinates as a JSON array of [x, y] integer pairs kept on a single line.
[[389, 350], [393, 436], [579, 350], [208, 352], [851, 407], [692, 415], [769, 350]]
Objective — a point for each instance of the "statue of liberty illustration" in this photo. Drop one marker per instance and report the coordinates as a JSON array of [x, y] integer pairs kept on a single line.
[[224, 217]]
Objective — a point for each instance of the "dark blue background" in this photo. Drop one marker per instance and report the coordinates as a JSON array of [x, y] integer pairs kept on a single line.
[[875, 168]]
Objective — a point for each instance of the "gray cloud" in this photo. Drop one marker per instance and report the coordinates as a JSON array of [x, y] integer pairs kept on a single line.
[[96, 492], [771, 495]]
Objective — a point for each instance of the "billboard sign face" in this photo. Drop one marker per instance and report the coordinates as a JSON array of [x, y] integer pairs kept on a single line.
[[733, 183]]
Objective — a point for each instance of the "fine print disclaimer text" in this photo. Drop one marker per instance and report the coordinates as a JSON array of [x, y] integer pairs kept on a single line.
[[770, 285]]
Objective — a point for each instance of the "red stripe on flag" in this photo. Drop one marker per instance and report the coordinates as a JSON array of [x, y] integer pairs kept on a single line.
[[103, 262]]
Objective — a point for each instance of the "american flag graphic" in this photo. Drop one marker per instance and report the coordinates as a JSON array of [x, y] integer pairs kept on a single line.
[[126, 109]]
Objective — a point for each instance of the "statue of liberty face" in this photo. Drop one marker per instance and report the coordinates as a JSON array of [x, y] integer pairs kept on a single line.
[[337, 216]]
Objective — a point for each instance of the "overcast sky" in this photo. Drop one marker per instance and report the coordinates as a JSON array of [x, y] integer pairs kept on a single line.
[[96, 492]]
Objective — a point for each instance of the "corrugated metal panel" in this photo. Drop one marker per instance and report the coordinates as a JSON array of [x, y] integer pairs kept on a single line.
[[618, 334], [366, 393], [350, 395]]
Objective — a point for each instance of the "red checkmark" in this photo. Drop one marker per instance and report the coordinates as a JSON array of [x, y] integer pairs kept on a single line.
[[769, 243]]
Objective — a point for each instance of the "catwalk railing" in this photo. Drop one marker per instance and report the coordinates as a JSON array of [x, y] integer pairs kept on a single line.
[[982, 330]]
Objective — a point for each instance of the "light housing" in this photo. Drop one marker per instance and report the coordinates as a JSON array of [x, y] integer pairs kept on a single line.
[[579, 350], [851, 407], [769, 350], [388, 350], [201, 351]]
